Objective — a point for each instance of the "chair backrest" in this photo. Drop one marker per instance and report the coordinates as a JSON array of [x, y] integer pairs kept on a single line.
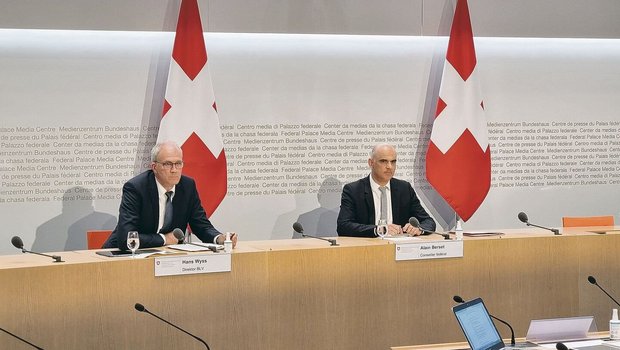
[[580, 221], [96, 238]]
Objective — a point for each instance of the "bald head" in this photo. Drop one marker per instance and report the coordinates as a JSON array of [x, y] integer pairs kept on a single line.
[[382, 163]]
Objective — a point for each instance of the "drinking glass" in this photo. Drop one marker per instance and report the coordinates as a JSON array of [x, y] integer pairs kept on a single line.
[[382, 228], [133, 242]]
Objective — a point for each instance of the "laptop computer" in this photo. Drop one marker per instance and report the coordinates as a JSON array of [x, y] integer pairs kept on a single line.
[[477, 325]]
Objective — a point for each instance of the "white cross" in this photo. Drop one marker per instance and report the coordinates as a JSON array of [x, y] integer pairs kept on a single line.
[[463, 110]]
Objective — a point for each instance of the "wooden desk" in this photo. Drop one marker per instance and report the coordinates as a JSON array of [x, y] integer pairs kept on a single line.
[[304, 294]]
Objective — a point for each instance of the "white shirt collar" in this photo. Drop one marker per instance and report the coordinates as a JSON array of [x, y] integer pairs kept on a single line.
[[375, 186], [161, 191]]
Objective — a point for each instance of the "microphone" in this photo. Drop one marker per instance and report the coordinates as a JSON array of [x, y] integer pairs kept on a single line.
[[460, 300], [561, 346], [415, 223], [178, 234], [523, 217], [592, 280], [141, 308], [19, 244], [300, 229], [24, 340]]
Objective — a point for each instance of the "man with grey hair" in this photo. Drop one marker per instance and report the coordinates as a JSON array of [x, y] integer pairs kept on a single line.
[[381, 196], [159, 200]]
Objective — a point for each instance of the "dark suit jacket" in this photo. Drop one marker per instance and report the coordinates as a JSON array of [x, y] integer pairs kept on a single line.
[[357, 208], [139, 211]]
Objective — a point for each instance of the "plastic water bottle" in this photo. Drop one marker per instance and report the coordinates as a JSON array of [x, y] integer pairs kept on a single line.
[[228, 246], [459, 230], [614, 326]]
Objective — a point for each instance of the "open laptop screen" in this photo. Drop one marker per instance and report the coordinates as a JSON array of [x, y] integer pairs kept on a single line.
[[477, 325]]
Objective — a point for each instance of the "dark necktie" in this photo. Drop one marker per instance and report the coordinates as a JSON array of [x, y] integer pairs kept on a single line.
[[167, 213]]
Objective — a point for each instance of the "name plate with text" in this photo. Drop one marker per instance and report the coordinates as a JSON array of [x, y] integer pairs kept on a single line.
[[429, 250], [191, 264]]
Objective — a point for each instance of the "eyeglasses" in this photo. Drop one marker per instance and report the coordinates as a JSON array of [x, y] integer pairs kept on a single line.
[[169, 165]]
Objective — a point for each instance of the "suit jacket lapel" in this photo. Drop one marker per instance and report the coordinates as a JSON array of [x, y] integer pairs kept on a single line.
[[370, 203], [154, 198], [394, 200]]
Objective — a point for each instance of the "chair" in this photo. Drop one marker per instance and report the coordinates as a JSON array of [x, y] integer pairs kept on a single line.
[[96, 238], [580, 221]]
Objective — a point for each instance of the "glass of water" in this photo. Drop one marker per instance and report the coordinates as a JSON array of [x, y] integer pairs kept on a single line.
[[382, 228], [133, 242]]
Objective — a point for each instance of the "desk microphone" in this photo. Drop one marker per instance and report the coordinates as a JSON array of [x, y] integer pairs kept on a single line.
[[562, 346], [415, 223], [24, 340], [592, 280], [178, 234], [300, 229], [460, 300], [141, 308], [19, 244], [523, 217]]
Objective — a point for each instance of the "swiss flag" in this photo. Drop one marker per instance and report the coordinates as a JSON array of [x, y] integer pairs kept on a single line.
[[458, 162], [190, 115]]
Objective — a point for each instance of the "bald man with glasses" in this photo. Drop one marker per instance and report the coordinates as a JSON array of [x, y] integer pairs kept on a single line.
[[381, 196], [159, 200]]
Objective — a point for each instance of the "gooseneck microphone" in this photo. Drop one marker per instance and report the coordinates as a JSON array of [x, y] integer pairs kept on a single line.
[[141, 308], [561, 346], [523, 218], [300, 229], [19, 244], [178, 234], [415, 223], [592, 280], [460, 300], [24, 340]]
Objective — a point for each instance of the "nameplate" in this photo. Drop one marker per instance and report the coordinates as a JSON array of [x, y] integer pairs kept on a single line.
[[192, 264], [429, 250]]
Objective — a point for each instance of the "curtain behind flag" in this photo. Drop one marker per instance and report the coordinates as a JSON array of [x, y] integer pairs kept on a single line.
[[190, 115], [458, 161]]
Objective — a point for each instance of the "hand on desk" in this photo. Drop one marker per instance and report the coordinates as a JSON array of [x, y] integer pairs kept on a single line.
[[222, 237], [395, 230], [412, 230], [170, 238]]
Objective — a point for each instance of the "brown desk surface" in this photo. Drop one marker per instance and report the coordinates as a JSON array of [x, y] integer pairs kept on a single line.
[[305, 294]]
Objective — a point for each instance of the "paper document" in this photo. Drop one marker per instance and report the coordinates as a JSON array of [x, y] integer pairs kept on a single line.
[[401, 239], [196, 247]]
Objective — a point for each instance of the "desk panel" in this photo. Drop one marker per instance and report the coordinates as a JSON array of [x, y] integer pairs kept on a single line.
[[304, 294]]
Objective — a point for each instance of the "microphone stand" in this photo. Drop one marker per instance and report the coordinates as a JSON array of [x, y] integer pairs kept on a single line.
[[24, 340], [332, 241], [444, 235], [554, 230], [593, 281], [175, 326], [55, 257], [512, 332]]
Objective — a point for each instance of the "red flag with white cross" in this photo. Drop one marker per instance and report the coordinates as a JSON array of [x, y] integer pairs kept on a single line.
[[458, 161], [190, 114]]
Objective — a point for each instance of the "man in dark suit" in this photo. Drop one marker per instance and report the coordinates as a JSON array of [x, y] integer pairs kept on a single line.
[[360, 205], [148, 196]]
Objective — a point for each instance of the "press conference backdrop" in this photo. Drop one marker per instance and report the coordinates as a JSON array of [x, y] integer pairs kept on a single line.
[[80, 111]]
